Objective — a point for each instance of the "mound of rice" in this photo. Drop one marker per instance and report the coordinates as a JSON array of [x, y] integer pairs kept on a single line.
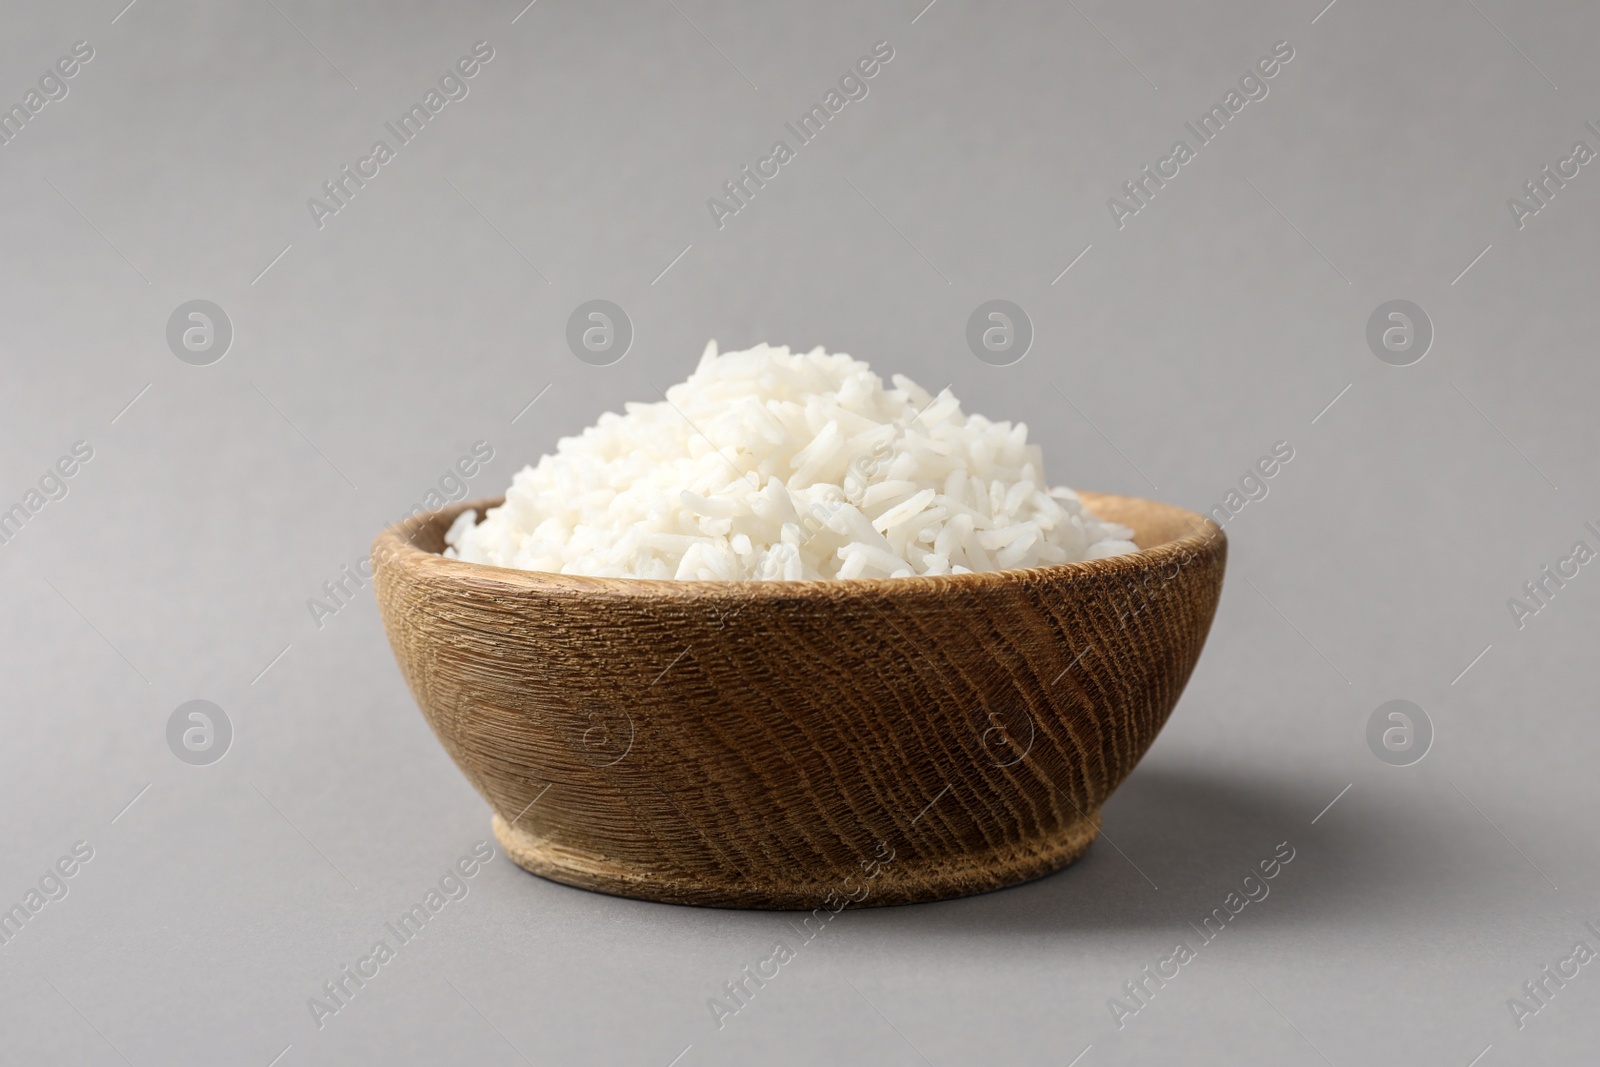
[[768, 464]]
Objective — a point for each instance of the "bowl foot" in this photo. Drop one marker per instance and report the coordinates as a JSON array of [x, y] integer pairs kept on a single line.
[[904, 879]]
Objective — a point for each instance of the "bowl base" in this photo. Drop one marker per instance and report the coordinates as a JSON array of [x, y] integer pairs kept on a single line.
[[905, 879]]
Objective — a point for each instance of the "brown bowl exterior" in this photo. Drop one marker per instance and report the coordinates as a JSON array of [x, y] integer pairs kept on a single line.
[[801, 745]]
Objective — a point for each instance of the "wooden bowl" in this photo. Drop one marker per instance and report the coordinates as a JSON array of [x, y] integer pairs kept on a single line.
[[801, 745]]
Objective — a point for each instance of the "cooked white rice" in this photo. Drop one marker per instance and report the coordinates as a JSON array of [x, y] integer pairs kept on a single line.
[[768, 464]]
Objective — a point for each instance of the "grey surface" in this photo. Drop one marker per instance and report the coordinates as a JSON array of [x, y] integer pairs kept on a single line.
[[1222, 318]]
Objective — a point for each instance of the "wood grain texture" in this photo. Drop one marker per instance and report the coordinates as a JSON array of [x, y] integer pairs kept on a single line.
[[769, 744]]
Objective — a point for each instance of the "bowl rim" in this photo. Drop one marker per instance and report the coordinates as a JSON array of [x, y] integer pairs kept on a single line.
[[394, 546]]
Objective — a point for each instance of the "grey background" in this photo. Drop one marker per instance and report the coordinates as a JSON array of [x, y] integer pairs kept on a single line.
[[1222, 318]]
